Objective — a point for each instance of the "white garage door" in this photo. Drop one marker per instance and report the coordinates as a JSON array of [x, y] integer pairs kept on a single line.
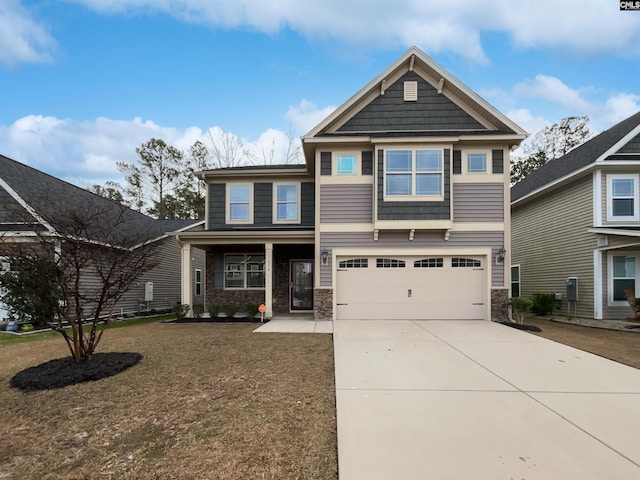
[[433, 287]]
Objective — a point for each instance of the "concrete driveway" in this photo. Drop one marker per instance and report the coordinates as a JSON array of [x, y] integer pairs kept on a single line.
[[479, 400]]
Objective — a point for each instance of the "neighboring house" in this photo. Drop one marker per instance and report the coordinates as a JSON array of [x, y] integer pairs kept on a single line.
[[29, 196], [576, 220], [400, 211]]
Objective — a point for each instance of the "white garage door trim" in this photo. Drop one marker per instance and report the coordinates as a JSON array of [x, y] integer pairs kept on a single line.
[[412, 282]]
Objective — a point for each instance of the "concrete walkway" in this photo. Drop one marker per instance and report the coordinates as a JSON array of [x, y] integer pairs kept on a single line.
[[478, 400]]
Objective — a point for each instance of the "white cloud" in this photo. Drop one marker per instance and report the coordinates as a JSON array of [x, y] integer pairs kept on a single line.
[[22, 39], [306, 115], [553, 90], [437, 26]]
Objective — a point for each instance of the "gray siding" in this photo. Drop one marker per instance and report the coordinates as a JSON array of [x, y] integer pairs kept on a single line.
[[166, 278], [478, 202], [550, 242], [432, 111], [497, 161], [414, 210], [325, 163], [262, 207], [457, 240], [632, 146], [346, 203]]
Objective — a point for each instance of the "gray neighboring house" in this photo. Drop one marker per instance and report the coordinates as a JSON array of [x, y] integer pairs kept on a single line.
[[28, 196], [576, 220], [401, 210]]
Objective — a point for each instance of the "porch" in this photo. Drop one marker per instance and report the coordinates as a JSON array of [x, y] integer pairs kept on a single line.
[[244, 268]]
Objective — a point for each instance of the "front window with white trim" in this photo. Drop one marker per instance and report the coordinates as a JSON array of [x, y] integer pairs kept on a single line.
[[622, 198], [476, 163], [244, 271], [286, 203], [347, 164], [623, 273], [413, 173], [515, 280], [239, 203]]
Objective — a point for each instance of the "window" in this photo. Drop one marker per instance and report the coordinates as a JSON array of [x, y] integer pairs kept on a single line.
[[476, 162], [622, 198], [354, 263], [239, 203], [198, 282], [389, 263], [515, 280], [429, 263], [623, 270], [347, 164], [244, 271], [465, 262], [413, 173], [287, 202]]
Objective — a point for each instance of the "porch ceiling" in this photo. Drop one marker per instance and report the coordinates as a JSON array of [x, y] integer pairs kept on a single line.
[[246, 237]]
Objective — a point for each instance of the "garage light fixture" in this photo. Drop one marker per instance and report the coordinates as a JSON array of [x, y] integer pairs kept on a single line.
[[501, 253], [324, 257]]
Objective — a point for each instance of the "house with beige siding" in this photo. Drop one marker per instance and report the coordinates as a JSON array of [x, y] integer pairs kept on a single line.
[[32, 204], [576, 226], [400, 211]]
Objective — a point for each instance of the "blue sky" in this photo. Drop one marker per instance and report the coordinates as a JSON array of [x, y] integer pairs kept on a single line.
[[84, 82]]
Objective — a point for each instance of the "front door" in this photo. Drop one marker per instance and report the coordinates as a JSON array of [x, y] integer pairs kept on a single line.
[[301, 283]]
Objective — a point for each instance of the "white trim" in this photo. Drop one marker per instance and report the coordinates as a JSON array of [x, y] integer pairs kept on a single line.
[[478, 227], [274, 208], [334, 164], [346, 180], [597, 198], [412, 197], [597, 285], [197, 282], [511, 282], [227, 203], [636, 197], [618, 145], [615, 231], [26, 206], [345, 227]]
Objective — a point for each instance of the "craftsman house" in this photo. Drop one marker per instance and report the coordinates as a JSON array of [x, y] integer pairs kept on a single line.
[[401, 210], [576, 226], [33, 204]]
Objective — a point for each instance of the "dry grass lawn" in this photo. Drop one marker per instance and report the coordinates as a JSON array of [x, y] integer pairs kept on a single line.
[[207, 401], [621, 346]]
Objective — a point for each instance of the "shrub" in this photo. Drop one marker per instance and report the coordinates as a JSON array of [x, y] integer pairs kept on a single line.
[[230, 309], [214, 309], [519, 307], [198, 310], [252, 310], [180, 311], [542, 303]]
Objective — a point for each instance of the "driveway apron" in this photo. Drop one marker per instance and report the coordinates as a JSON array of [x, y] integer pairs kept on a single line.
[[479, 400]]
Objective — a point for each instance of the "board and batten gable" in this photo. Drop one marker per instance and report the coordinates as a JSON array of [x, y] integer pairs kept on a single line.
[[262, 205], [541, 241]]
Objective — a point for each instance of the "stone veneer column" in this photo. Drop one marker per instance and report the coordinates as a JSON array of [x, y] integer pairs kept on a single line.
[[499, 304], [323, 303]]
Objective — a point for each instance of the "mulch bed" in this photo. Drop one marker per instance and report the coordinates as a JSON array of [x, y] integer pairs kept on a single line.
[[519, 326], [63, 372]]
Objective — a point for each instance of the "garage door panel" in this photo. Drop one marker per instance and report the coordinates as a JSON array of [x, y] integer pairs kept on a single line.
[[443, 292]]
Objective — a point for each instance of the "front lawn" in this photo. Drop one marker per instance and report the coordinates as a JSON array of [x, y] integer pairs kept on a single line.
[[207, 401]]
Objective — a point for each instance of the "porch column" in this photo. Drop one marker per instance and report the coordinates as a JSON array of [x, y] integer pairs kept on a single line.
[[268, 279], [185, 282]]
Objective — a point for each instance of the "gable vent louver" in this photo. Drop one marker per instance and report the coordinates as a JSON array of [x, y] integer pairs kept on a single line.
[[410, 91]]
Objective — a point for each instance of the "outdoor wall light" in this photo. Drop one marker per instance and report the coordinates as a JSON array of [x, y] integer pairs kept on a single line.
[[324, 257], [501, 254]]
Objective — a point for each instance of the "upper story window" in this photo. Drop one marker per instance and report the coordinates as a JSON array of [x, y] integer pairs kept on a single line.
[[413, 173], [239, 203], [622, 198], [287, 203], [346, 164], [476, 163]]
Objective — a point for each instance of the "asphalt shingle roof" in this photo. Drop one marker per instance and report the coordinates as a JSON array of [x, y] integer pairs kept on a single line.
[[51, 198], [576, 159]]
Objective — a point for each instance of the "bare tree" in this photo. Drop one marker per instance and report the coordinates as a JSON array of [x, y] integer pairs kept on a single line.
[[227, 150], [94, 256]]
